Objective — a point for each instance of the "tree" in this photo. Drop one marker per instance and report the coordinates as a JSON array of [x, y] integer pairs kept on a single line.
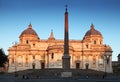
[[3, 58]]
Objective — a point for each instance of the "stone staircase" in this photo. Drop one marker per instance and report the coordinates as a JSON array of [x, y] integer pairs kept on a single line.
[[57, 72]]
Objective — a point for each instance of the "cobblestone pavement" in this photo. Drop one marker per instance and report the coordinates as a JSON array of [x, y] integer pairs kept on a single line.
[[59, 79]]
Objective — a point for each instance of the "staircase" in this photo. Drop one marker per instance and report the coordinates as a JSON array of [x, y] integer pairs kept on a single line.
[[57, 72]]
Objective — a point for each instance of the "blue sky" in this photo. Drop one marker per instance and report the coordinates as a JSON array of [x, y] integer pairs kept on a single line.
[[44, 15]]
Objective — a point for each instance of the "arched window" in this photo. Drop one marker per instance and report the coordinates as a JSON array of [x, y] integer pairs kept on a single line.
[[52, 56], [33, 57], [87, 46]]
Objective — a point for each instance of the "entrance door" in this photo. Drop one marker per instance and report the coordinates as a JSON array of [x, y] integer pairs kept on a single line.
[[77, 65], [42, 65], [87, 65], [33, 65]]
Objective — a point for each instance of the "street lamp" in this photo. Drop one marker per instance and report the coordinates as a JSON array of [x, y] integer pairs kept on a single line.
[[82, 54], [15, 58], [107, 58]]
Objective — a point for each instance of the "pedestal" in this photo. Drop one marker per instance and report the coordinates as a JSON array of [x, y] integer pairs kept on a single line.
[[66, 66], [66, 62], [66, 74]]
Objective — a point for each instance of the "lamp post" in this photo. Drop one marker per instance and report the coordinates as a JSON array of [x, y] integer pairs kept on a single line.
[[15, 58], [107, 58], [105, 66], [82, 55]]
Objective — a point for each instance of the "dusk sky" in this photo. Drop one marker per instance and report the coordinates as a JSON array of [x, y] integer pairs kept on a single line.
[[44, 15]]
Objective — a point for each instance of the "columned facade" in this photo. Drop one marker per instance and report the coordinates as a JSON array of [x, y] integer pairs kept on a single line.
[[33, 52]]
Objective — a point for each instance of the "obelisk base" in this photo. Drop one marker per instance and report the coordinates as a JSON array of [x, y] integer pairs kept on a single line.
[[66, 74], [66, 62], [66, 66]]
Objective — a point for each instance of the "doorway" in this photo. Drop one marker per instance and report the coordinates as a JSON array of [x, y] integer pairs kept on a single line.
[[87, 65], [42, 65], [77, 65], [33, 65]]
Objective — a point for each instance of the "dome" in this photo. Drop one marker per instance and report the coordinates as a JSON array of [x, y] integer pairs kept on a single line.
[[29, 30], [92, 31]]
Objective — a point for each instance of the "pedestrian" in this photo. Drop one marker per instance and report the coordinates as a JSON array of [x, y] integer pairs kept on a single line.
[[87, 77]]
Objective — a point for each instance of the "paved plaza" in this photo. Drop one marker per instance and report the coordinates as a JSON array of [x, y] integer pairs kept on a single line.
[[8, 78]]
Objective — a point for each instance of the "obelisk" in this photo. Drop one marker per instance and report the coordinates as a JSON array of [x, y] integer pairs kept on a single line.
[[66, 56]]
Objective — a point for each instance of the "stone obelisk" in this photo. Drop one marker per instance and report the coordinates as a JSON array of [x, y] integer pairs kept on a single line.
[[66, 56]]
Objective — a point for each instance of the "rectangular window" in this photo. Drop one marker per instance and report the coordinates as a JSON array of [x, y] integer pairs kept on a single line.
[[26, 41], [94, 41]]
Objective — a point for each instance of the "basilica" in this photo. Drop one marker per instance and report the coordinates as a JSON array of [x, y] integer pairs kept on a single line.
[[33, 52]]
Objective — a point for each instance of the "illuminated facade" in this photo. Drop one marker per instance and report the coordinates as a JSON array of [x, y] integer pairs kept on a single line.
[[33, 52]]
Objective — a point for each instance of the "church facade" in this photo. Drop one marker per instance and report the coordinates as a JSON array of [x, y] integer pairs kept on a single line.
[[33, 52]]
